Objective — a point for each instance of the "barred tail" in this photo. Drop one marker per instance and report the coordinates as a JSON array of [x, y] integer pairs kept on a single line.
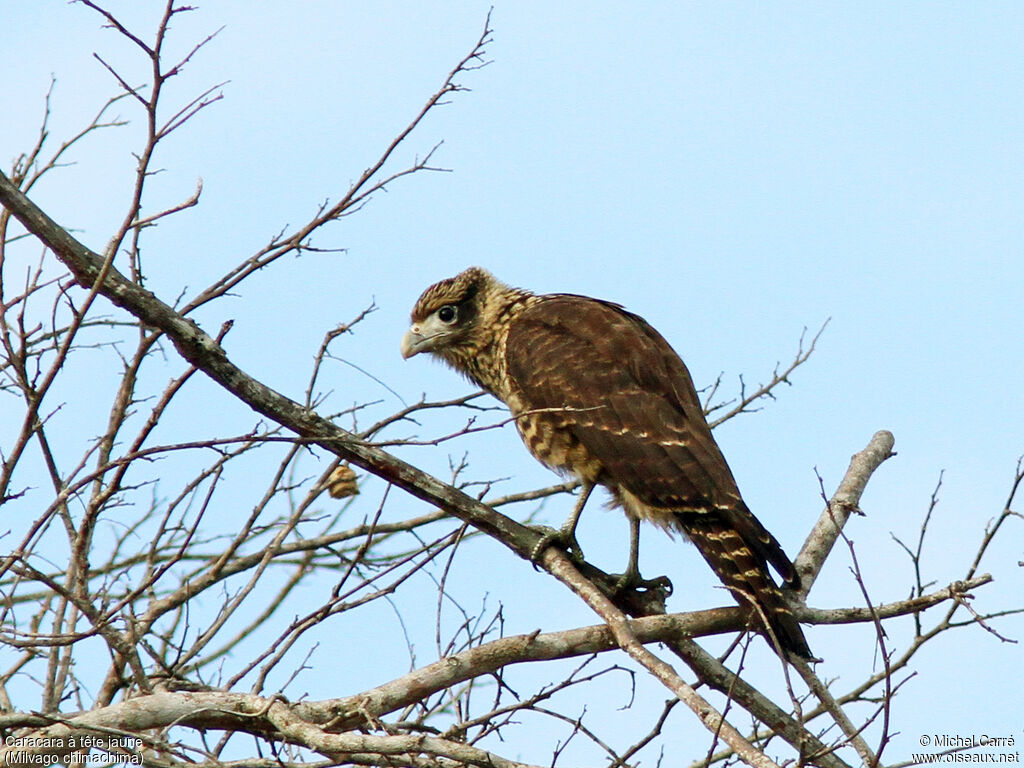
[[746, 575]]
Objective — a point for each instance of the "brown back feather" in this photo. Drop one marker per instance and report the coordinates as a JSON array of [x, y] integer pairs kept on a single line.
[[633, 403], [630, 402]]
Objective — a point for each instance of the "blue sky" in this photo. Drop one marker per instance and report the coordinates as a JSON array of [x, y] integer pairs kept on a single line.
[[733, 172]]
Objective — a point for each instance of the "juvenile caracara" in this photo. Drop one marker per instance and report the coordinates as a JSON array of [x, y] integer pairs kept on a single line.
[[597, 393]]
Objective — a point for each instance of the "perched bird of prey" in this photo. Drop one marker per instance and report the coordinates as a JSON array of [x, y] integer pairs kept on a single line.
[[597, 393]]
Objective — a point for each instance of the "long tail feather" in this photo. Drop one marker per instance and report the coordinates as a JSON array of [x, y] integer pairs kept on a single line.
[[746, 575]]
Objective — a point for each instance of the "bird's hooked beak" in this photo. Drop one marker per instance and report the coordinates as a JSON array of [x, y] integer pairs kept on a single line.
[[414, 342], [427, 335], [424, 336]]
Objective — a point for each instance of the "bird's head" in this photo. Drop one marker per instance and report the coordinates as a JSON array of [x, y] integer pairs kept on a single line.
[[462, 321], [447, 313]]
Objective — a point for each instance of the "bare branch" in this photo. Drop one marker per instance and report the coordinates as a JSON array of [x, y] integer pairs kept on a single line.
[[743, 405], [843, 503]]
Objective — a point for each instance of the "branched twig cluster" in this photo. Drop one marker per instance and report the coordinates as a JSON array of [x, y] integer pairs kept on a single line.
[[744, 401]]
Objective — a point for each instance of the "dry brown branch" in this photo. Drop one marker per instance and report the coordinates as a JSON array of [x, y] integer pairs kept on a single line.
[[367, 707], [558, 564]]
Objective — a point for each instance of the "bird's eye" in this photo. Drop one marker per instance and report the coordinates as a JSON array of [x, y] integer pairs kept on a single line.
[[447, 314]]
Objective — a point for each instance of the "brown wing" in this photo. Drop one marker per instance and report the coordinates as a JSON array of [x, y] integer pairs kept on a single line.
[[634, 409]]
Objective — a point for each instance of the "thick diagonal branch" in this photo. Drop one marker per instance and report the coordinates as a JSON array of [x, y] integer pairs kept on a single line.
[[204, 352], [844, 502]]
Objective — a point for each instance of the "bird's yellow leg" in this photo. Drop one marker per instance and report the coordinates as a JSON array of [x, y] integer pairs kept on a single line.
[[632, 574], [632, 579], [565, 537]]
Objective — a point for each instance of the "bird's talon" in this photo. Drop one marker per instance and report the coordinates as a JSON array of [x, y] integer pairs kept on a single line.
[[634, 581], [559, 537]]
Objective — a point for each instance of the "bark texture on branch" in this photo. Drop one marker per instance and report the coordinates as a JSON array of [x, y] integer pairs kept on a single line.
[[844, 502], [204, 352]]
